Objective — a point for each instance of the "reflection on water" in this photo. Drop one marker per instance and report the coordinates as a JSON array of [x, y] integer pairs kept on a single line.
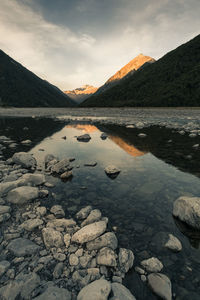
[[139, 201]]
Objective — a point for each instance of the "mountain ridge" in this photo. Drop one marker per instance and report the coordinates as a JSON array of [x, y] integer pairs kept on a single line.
[[80, 94]]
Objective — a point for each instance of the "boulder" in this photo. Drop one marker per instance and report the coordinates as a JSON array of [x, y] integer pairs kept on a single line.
[[22, 247], [173, 243], [126, 259], [160, 284], [31, 224], [152, 264], [22, 195], [108, 239], [4, 209], [33, 179], [187, 209], [84, 212], [5, 187], [58, 211], [97, 290], [65, 223], [84, 138], [52, 238], [89, 232], [121, 292], [107, 257], [25, 160], [94, 216]]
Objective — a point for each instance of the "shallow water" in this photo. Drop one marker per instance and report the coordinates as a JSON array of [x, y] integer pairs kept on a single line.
[[155, 171]]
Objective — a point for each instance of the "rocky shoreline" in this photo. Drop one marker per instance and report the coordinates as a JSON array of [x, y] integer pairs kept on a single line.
[[48, 254]]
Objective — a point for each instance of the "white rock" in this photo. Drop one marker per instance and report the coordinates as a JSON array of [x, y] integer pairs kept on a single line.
[[97, 290], [173, 244], [152, 264], [187, 209], [22, 195], [24, 159], [52, 238], [89, 232], [121, 292], [160, 285]]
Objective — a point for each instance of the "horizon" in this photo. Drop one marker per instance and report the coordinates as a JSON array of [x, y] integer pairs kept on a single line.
[[74, 43]]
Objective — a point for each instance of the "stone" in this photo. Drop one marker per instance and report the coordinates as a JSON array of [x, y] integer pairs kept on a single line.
[[107, 257], [52, 238], [22, 195], [112, 171], [31, 224], [104, 136], [61, 167], [66, 175], [73, 260], [66, 223], [160, 284], [142, 135], [187, 209], [58, 211], [60, 256], [84, 138], [67, 239], [90, 164], [4, 217], [25, 160], [94, 216], [20, 288], [58, 270], [48, 158], [121, 292], [33, 179], [84, 212], [22, 247], [26, 142], [98, 290], [5, 187], [89, 232], [152, 264], [54, 293], [41, 211], [173, 243], [4, 209], [126, 259], [108, 239], [4, 266]]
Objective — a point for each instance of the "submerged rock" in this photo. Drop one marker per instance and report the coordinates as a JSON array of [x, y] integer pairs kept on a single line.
[[22, 247], [112, 171], [97, 290], [160, 285], [66, 175], [61, 167], [24, 159], [187, 209], [152, 264], [173, 243]]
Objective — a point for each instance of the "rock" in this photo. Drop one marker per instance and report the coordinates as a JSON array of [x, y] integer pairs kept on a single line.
[[104, 136], [89, 232], [73, 260], [60, 256], [43, 193], [31, 224], [52, 238], [58, 211], [83, 213], [22, 247], [173, 244], [187, 209], [5, 187], [91, 164], [94, 216], [97, 290], [66, 175], [25, 160], [55, 293], [41, 211], [20, 288], [58, 270], [4, 209], [61, 167], [67, 239], [22, 195], [112, 171], [66, 223], [142, 135], [126, 259], [4, 217], [4, 266], [108, 239], [33, 179], [106, 257], [121, 292], [48, 158], [84, 138], [152, 264], [160, 285], [26, 142]]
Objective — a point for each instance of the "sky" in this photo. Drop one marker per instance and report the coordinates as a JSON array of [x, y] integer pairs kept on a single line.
[[71, 43]]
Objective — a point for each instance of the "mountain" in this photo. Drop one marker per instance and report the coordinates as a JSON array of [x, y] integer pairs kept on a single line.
[[173, 80], [134, 65], [80, 94], [21, 88]]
